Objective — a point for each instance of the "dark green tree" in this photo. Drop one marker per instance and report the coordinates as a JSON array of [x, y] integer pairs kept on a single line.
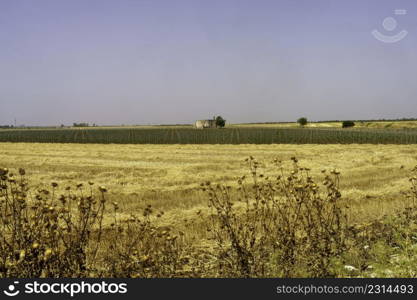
[[220, 122], [347, 124], [302, 121]]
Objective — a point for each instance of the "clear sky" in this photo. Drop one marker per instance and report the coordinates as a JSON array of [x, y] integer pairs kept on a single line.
[[175, 61]]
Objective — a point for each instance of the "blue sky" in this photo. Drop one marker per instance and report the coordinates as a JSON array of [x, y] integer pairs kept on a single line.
[[153, 62]]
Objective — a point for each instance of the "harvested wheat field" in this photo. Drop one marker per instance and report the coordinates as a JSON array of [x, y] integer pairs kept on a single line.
[[189, 210], [168, 176]]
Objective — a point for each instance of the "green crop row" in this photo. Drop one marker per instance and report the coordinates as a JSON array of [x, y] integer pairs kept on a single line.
[[213, 136]]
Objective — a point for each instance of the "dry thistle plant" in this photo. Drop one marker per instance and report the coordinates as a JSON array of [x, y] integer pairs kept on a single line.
[[64, 236], [144, 250], [286, 225], [47, 236], [412, 194]]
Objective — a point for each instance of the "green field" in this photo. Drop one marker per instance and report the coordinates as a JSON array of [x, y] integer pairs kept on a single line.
[[232, 135]]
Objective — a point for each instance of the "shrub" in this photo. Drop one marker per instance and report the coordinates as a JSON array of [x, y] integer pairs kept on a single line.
[[286, 225], [80, 125], [62, 236], [346, 124], [302, 121], [145, 251], [44, 237], [220, 122]]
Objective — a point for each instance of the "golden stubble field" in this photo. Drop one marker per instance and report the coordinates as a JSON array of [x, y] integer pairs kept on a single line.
[[168, 176]]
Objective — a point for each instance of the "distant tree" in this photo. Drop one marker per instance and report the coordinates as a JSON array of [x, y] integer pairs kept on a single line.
[[346, 124], [80, 124], [220, 122], [302, 121]]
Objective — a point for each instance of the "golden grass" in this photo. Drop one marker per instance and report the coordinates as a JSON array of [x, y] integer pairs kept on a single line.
[[364, 124], [372, 182], [168, 176]]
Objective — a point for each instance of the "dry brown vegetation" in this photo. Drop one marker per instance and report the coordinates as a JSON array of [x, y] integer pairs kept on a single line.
[[168, 176], [277, 216], [358, 124]]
